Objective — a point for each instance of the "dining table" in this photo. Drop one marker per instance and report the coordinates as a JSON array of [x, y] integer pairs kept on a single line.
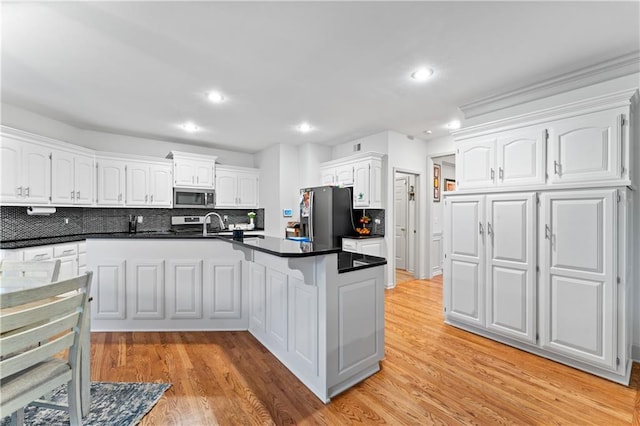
[[10, 284]]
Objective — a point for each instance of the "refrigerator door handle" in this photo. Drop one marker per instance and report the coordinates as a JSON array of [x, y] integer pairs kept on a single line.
[[310, 218]]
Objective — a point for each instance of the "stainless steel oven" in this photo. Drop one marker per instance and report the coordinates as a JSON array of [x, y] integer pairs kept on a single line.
[[193, 198]]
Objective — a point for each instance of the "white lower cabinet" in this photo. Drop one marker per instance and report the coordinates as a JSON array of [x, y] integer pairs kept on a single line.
[[185, 289], [368, 246], [68, 256], [277, 308], [258, 297], [145, 289], [108, 289], [222, 291], [575, 309]]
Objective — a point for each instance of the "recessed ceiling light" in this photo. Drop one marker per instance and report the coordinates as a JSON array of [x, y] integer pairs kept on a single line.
[[422, 74], [215, 97], [190, 127], [455, 124], [427, 132], [304, 127]]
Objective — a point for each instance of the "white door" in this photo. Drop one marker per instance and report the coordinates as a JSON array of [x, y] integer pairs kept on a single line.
[[344, 175], [586, 148], [465, 260], [511, 265], [184, 173], [160, 187], [36, 173], [361, 184], [62, 178], [577, 290], [204, 174], [226, 188], [145, 289], [475, 163], [401, 220], [521, 156], [11, 172], [137, 184], [111, 182], [83, 172], [247, 190]]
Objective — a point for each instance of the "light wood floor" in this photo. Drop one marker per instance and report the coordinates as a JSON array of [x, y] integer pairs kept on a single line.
[[432, 374]]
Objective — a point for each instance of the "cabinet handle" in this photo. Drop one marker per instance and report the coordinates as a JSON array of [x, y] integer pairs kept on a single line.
[[500, 173], [68, 251], [556, 167], [493, 174], [152, 198], [489, 228], [547, 232], [26, 191], [480, 228], [77, 195], [146, 198], [40, 256], [73, 195], [19, 191]]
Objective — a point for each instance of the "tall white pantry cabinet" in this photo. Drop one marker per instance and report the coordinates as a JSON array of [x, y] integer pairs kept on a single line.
[[538, 236]]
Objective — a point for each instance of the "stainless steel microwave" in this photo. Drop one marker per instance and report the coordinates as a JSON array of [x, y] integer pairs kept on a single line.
[[193, 198]]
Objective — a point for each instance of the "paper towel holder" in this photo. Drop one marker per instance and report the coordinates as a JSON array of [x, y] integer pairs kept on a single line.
[[40, 211]]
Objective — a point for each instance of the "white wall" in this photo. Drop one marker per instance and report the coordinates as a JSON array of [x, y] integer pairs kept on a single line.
[[22, 119], [309, 158], [373, 143], [268, 161]]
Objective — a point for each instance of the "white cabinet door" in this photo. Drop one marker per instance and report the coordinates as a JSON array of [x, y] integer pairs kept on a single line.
[[521, 157], [344, 175], [475, 163], [257, 299], [160, 187], [36, 173], [145, 289], [111, 179], [137, 184], [465, 262], [222, 290], [183, 173], [578, 289], [63, 190], [362, 184], [108, 289], [226, 188], [204, 173], [83, 172], [11, 172], [327, 176], [247, 190], [376, 184], [511, 265], [185, 289], [189, 172], [372, 247], [587, 148], [303, 326], [277, 304]]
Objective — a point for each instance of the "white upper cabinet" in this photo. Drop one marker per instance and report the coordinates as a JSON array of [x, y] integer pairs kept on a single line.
[[193, 170], [363, 173], [72, 178], [148, 184], [26, 172], [588, 148], [237, 187], [508, 158], [111, 182]]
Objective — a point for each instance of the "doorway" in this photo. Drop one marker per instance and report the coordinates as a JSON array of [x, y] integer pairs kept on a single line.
[[405, 225], [447, 170]]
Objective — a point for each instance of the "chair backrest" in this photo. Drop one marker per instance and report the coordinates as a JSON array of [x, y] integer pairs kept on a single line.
[[47, 270], [42, 321]]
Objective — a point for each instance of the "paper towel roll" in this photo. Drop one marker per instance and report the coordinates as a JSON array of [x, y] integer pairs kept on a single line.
[[40, 211]]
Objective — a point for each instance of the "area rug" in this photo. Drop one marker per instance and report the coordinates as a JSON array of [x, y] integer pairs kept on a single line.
[[121, 404]]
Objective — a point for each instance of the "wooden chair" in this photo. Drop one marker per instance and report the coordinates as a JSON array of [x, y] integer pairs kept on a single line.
[[52, 315], [45, 270]]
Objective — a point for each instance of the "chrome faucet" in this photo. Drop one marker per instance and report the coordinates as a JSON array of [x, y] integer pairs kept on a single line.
[[206, 217]]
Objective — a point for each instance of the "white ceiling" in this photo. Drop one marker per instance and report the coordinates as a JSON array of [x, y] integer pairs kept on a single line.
[[142, 69]]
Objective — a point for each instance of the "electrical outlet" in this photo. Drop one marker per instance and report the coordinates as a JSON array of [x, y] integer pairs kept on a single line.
[[377, 221], [139, 219], [66, 220]]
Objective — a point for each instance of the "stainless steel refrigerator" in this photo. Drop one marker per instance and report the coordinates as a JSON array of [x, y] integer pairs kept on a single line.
[[326, 214]]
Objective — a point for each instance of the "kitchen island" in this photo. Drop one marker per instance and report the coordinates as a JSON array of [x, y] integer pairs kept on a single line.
[[318, 309]]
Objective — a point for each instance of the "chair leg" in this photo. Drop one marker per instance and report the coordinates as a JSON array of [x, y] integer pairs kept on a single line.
[[75, 405], [17, 418]]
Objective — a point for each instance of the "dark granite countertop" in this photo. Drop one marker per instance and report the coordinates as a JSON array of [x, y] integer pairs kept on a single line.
[[348, 261], [363, 237]]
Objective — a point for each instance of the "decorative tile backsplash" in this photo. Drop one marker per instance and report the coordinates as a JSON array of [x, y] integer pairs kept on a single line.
[[17, 225]]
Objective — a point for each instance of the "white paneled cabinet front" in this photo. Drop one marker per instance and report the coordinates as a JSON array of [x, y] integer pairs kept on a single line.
[[222, 289], [277, 308], [108, 289], [111, 182], [26, 172], [185, 289], [303, 325], [195, 173], [588, 148], [237, 187], [145, 289], [511, 265], [363, 173], [257, 299], [72, 177], [578, 289], [475, 163], [148, 184]]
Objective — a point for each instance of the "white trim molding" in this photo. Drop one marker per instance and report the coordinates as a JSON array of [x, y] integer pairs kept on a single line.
[[602, 71]]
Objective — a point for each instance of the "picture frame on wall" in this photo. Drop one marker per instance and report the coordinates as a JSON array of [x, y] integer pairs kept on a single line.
[[436, 183], [449, 185]]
